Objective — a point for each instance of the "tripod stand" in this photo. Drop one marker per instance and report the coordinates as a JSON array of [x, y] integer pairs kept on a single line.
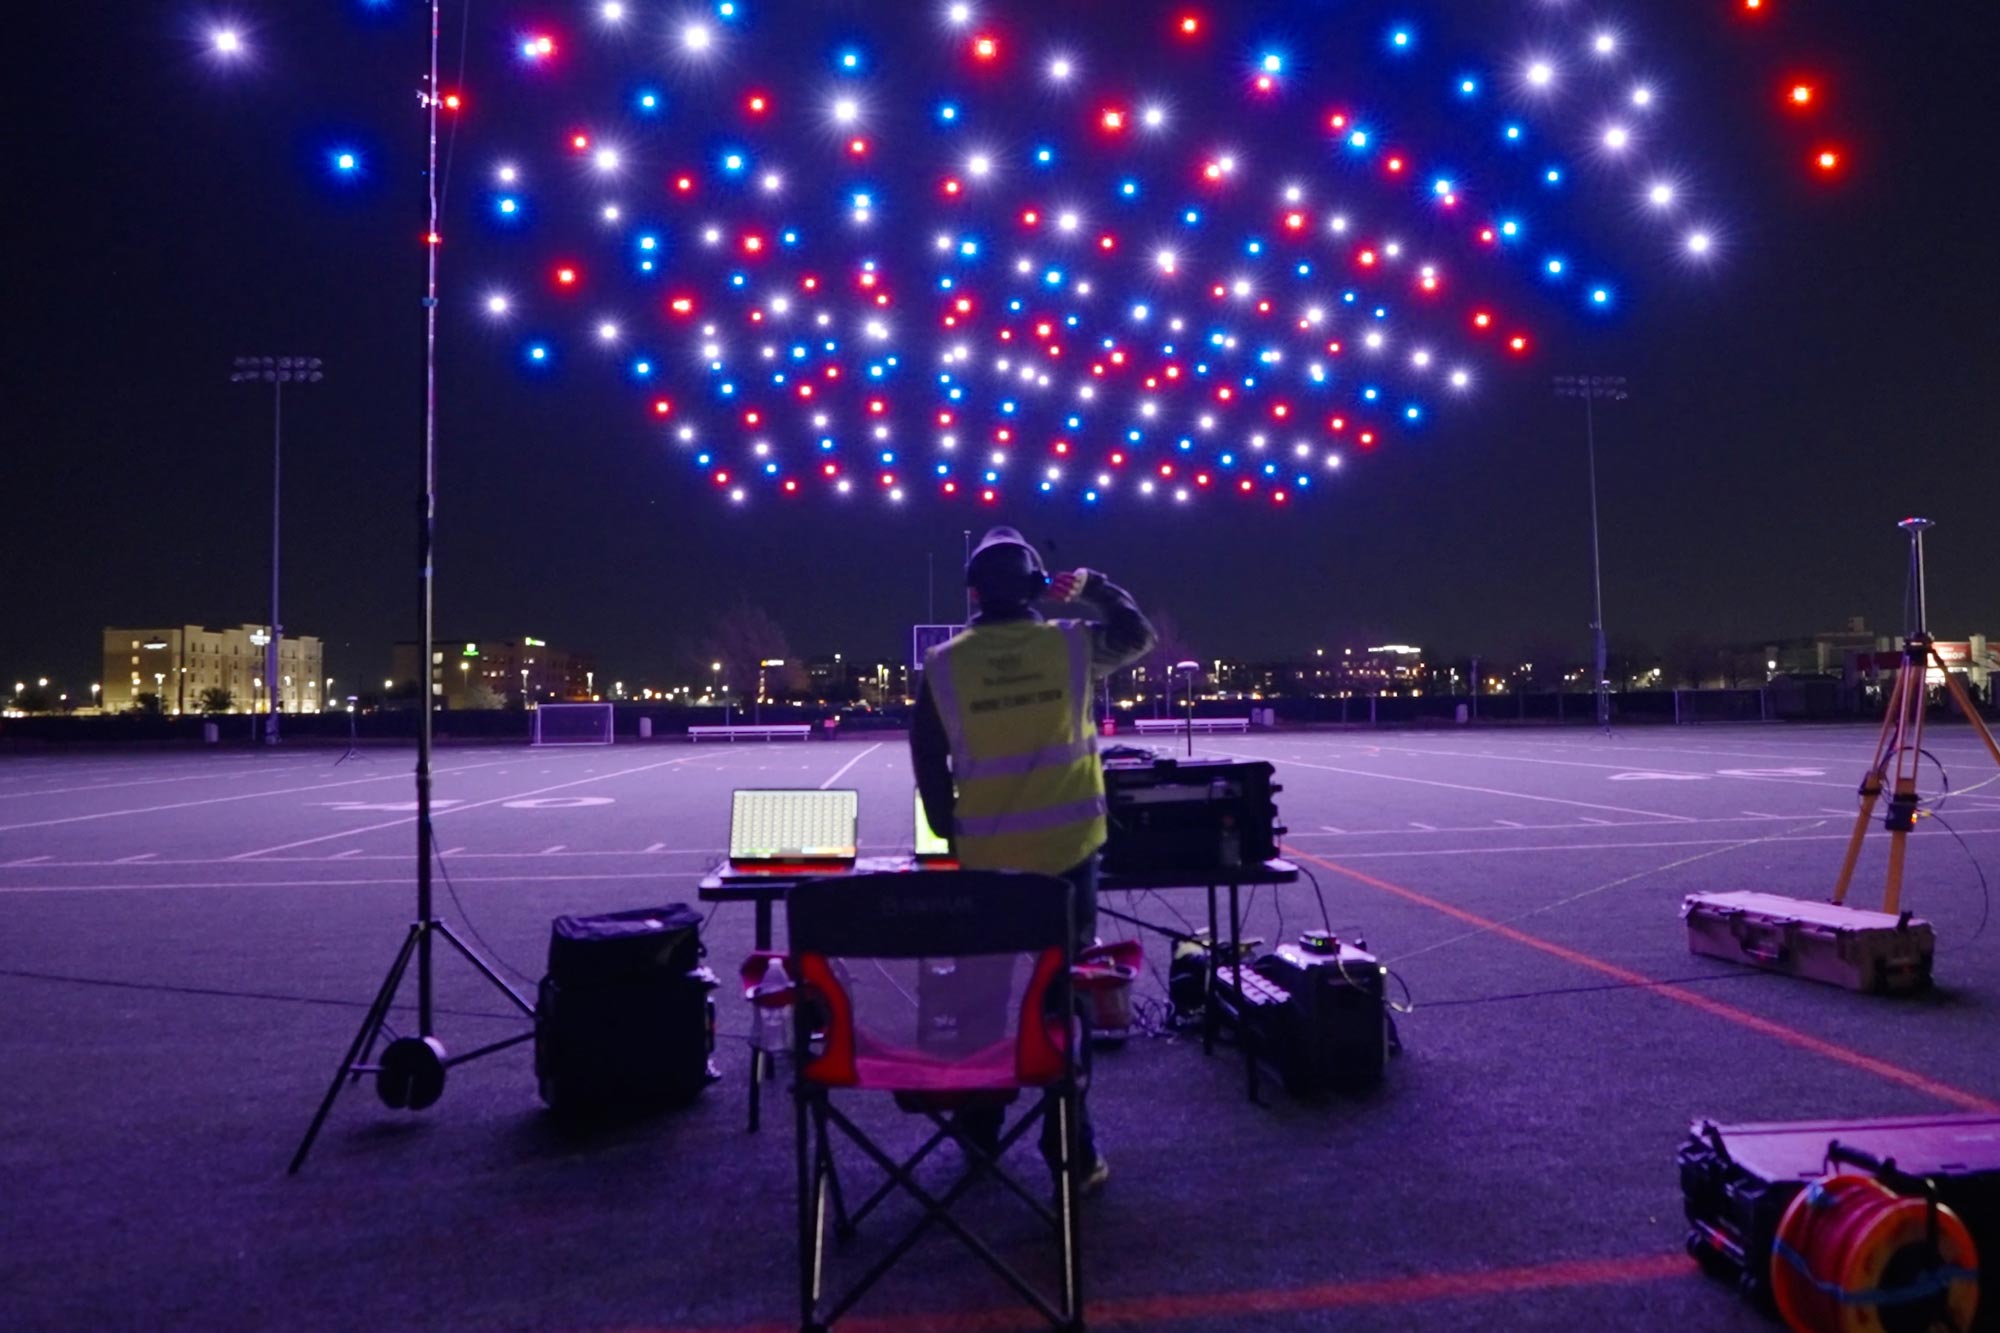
[[1901, 744], [411, 1070]]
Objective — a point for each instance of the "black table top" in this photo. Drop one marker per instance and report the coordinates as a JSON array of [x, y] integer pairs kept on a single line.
[[719, 887]]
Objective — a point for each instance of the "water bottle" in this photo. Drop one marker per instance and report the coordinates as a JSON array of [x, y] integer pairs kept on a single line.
[[774, 1021]]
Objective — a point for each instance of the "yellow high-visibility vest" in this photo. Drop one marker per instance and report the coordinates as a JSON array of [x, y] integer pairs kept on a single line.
[[1015, 700]]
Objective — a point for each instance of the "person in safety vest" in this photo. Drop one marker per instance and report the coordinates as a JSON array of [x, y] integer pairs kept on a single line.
[[1005, 751]]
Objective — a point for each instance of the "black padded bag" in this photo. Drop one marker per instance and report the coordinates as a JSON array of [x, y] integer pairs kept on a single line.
[[625, 1020]]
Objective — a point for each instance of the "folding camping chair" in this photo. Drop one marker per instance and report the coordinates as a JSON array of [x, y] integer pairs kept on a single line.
[[951, 991]]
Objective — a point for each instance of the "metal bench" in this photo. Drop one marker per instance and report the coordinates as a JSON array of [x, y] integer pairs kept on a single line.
[[1181, 724], [789, 731]]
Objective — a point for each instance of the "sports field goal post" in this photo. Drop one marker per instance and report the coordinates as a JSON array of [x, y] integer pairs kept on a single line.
[[571, 724]]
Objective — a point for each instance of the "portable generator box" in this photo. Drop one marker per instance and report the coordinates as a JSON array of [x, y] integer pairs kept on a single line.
[[1843, 946]]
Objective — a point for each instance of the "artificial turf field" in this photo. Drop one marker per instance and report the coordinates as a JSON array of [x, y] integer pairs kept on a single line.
[[191, 939]]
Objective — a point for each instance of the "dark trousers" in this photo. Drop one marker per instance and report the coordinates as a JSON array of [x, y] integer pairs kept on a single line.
[[982, 1124]]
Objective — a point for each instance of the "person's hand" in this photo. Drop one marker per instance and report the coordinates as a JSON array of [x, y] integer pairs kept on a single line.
[[1066, 586]]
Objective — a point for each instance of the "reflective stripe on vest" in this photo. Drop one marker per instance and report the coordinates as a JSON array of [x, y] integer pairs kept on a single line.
[[1015, 702]]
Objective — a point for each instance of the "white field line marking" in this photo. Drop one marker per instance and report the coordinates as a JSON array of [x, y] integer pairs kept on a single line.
[[1609, 846], [1594, 890], [219, 800], [404, 880], [136, 782], [1330, 828], [850, 764], [30, 860], [1588, 820], [355, 855], [551, 851], [399, 881], [1622, 768], [657, 847], [134, 860], [1428, 828], [1494, 791], [1509, 823], [458, 809]]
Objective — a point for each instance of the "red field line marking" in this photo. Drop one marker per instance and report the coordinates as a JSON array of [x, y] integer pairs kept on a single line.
[[1791, 1036], [1151, 1311]]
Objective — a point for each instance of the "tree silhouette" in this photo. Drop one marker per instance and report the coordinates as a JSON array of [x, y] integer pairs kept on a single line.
[[217, 699], [743, 637]]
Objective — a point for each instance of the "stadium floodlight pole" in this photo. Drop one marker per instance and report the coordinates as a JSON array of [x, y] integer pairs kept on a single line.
[[1593, 389], [276, 371], [410, 1073]]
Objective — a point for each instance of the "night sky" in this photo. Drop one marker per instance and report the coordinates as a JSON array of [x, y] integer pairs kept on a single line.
[[1830, 371]]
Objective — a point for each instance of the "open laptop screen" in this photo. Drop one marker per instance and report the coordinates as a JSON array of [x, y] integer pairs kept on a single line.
[[930, 844], [793, 826]]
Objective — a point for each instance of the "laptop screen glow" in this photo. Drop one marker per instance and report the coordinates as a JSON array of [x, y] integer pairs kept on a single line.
[[793, 825], [929, 842]]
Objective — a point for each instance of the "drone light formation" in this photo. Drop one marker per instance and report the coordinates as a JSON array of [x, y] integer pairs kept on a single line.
[[1075, 296]]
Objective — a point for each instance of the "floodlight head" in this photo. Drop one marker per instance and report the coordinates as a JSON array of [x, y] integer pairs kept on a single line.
[[1916, 525]]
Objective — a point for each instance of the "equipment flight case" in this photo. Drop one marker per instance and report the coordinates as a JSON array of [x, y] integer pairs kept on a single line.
[[624, 1018], [1843, 946], [1194, 815]]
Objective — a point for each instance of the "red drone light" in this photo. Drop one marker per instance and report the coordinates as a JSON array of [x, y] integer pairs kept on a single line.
[[661, 408], [1395, 164], [1265, 83], [684, 183], [452, 101], [758, 104], [1802, 94], [580, 142], [858, 147], [986, 48], [1517, 343], [1828, 160], [1189, 26], [791, 486], [1112, 119], [566, 277]]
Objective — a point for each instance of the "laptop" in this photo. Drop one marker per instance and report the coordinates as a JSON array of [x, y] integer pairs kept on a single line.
[[792, 832], [933, 849]]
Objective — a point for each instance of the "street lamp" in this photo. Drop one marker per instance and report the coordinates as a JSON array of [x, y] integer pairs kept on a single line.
[[276, 371], [1593, 389]]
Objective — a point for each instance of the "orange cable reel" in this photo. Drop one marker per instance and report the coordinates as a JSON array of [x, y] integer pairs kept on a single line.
[[1854, 1256]]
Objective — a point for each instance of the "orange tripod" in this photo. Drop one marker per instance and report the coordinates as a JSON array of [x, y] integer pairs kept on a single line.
[[1900, 746]]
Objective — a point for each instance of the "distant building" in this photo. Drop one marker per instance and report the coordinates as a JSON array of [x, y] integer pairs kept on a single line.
[[1973, 660], [1393, 668], [498, 673], [181, 663]]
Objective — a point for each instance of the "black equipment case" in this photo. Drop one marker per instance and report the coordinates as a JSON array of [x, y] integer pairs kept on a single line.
[[624, 1019], [1737, 1181], [1192, 815]]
